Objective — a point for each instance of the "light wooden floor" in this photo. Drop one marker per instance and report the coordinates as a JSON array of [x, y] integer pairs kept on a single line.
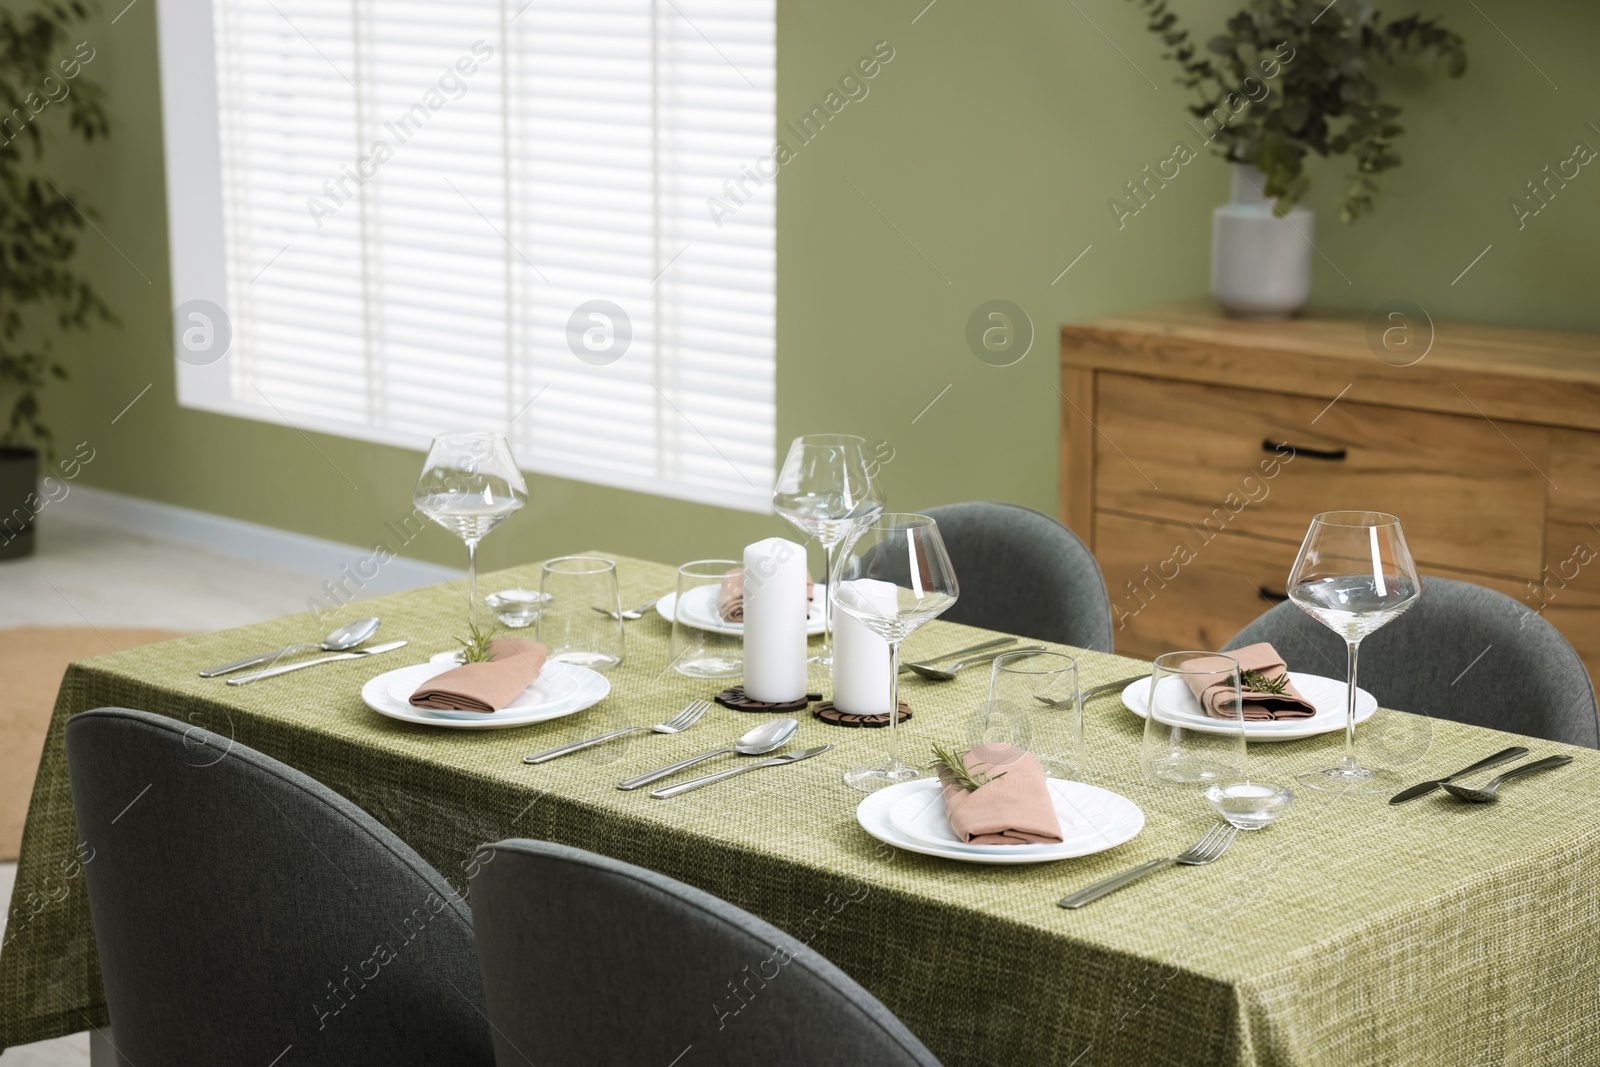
[[84, 575]]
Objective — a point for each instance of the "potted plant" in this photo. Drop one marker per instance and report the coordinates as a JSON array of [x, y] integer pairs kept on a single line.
[[1287, 78], [40, 82]]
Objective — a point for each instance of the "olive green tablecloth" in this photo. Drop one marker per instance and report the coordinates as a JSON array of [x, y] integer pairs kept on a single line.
[[1352, 932]]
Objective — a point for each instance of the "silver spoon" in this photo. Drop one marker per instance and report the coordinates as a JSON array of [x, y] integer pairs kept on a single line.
[[948, 674], [343, 639], [1486, 794], [758, 742]]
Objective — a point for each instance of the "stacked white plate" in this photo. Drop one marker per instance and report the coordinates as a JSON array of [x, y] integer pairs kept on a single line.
[[561, 689], [911, 816], [700, 610], [1177, 706]]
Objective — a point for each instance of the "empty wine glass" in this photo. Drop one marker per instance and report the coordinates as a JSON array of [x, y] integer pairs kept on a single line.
[[1354, 574], [824, 489], [469, 485], [892, 576]]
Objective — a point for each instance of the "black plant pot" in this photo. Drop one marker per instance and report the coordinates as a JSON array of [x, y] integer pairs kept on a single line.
[[19, 480]]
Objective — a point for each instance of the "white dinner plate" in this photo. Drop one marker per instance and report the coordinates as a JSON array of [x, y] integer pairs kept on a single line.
[[561, 689], [1092, 820], [700, 610], [1181, 708]]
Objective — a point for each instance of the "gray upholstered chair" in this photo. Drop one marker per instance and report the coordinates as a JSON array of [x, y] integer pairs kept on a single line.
[[1461, 652], [587, 960], [241, 908], [1024, 573]]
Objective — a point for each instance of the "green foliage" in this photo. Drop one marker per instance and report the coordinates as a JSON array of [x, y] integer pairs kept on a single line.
[[955, 766], [39, 226], [479, 647], [1322, 95], [1257, 682]]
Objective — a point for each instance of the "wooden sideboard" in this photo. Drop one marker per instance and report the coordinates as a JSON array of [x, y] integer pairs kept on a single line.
[[1196, 448]]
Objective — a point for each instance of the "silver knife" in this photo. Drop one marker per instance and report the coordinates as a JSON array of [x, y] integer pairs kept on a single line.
[[246, 679], [696, 783], [905, 668]]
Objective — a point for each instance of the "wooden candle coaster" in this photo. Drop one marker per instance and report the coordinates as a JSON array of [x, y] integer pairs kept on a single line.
[[733, 697], [834, 717]]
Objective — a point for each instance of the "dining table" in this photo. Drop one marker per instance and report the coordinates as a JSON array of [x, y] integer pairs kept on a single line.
[[1350, 931]]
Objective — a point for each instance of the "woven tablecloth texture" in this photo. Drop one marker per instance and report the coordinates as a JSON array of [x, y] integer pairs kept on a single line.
[[1351, 932]]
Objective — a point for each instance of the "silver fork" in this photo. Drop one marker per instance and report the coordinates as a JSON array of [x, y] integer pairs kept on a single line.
[[681, 721], [629, 613], [1208, 848]]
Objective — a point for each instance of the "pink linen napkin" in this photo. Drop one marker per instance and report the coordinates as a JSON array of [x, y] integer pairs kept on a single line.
[[730, 600], [484, 687], [1015, 809], [1213, 691]]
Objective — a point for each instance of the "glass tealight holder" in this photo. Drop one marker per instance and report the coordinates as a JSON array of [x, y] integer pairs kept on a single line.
[[1249, 805], [516, 608]]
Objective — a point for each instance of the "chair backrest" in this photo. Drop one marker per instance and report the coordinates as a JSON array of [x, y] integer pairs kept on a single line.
[[1461, 652], [588, 960], [1024, 573], [241, 908]]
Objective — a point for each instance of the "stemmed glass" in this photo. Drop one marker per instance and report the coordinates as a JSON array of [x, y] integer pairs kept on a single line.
[[893, 575], [1354, 574], [469, 485], [824, 489]]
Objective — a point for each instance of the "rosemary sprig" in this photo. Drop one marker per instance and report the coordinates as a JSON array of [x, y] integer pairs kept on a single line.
[[1256, 682], [960, 772], [478, 648]]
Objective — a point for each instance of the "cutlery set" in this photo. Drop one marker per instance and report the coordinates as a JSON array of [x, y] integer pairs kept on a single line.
[[758, 742], [1484, 794], [342, 642]]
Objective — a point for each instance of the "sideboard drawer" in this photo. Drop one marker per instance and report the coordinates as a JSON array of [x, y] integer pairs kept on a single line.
[[1216, 458], [1173, 589]]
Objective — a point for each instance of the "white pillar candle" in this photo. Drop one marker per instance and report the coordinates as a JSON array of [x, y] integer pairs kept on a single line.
[[861, 657], [775, 621]]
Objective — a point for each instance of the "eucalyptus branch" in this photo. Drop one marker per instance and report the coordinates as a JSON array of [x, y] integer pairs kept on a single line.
[[1325, 99]]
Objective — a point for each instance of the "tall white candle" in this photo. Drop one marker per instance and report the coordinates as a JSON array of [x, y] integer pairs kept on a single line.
[[775, 620], [861, 657]]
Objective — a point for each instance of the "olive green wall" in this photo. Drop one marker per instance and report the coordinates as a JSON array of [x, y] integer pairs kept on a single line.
[[979, 165]]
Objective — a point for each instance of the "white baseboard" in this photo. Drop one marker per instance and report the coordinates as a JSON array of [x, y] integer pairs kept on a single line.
[[235, 537]]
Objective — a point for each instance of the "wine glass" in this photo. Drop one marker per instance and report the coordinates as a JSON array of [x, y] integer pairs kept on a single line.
[[892, 576], [1354, 574], [824, 489], [469, 484]]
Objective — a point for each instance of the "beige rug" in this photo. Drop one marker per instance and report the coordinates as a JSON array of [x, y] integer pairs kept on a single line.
[[32, 661]]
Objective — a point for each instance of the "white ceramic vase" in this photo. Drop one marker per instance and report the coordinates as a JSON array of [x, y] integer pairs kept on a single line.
[[1260, 264]]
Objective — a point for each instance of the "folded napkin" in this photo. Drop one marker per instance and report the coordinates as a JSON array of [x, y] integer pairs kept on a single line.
[[1215, 694], [1015, 809], [730, 600], [486, 687]]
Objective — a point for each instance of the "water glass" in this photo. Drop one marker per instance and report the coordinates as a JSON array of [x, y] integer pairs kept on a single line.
[[1183, 745], [696, 651], [582, 623], [1033, 704]]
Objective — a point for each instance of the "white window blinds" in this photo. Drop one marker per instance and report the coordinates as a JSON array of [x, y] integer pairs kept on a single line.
[[457, 213]]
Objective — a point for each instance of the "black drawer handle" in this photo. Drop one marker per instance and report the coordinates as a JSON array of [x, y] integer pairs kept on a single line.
[[1271, 596], [1330, 454]]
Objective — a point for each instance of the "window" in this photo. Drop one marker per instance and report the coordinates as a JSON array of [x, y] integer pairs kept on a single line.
[[415, 215]]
